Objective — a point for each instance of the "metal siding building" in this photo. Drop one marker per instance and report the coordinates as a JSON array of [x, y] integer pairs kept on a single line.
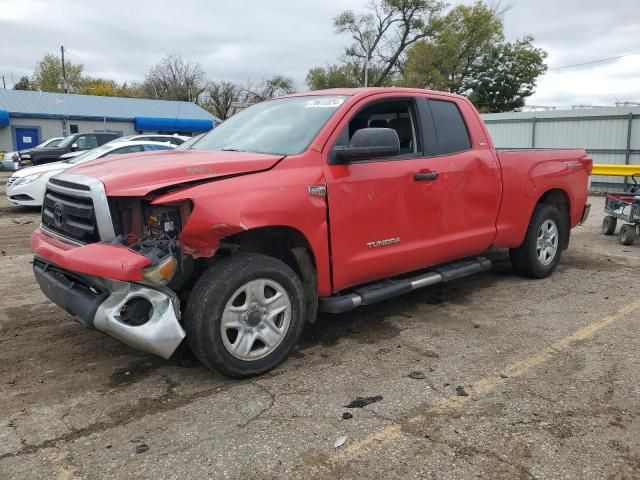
[[610, 135], [28, 118]]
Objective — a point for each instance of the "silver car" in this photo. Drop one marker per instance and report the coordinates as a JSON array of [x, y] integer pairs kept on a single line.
[[10, 159]]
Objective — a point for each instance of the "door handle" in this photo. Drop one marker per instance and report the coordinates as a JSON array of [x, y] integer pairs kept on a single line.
[[425, 176]]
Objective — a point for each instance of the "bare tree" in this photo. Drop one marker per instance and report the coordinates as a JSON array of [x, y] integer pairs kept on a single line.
[[218, 97], [272, 87], [175, 78], [382, 35]]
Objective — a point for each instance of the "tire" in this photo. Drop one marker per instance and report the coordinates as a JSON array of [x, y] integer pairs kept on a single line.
[[627, 234], [250, 289], [535, 260], [609, 224]]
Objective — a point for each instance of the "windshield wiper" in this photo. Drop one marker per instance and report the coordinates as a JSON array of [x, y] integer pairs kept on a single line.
[[231, 149]]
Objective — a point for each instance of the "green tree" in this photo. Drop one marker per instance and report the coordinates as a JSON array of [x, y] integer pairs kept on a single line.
[[48, 75], [23, 84], [99, 86], [460, 41], [333, 76], [468, 55], [506, 76]]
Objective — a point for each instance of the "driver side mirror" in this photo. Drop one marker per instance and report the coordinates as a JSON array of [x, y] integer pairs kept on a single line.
[[74, 147], [369, 143]]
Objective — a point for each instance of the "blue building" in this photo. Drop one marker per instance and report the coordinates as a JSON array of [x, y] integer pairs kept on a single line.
[[28, 118]]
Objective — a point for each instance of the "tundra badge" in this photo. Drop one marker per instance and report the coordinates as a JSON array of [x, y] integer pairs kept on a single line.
[[383, 243]]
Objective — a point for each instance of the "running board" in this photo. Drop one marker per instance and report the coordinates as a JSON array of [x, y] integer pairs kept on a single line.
[[393, 288]]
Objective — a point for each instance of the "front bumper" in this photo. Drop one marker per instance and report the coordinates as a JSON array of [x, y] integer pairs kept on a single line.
[[98, 303], [9, 165], [29, 195]]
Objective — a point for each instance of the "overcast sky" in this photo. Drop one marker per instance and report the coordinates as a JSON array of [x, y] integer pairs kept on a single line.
[[242, 39]]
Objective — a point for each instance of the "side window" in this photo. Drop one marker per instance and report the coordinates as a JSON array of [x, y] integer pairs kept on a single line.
[[399, 115], [450, 127], [150, 148], [176, 141], [127, 149], [86, 142]]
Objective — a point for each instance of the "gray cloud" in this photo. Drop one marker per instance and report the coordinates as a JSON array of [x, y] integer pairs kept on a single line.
[[246, 39]]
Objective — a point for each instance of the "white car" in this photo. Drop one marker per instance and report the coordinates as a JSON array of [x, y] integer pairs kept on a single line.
[[10, 159], [27, 187], [154, 137]]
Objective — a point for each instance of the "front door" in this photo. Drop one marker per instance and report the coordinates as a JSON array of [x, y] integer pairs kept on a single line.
[[435, 202], [26, 138]]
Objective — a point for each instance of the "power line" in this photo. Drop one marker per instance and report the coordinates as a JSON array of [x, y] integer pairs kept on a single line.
[[595, 61]]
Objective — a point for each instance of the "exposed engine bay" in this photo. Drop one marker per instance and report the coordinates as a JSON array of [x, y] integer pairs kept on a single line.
[[153, 231]]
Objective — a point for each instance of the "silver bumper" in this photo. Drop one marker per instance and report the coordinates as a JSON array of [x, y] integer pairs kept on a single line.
[[160, 335]]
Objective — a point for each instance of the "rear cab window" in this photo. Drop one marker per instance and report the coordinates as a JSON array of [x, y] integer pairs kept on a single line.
[[450, 128]]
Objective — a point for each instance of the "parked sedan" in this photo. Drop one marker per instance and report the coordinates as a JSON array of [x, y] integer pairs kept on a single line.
[[10, 159], [154, 137], [27, 186]]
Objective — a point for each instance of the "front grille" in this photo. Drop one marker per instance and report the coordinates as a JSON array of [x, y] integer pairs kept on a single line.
[[70, 216], [75, 186]]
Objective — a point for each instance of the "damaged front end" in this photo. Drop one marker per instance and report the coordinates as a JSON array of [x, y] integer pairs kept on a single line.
[[114, 264]]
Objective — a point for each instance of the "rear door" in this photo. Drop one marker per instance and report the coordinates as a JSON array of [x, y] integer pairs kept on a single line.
[[459, 207]]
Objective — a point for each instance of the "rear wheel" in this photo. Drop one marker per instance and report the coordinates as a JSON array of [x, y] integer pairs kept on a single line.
[[539, 254], [609, 225], [627, 234], [245, 314]]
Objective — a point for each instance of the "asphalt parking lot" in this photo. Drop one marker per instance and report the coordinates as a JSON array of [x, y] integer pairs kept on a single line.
[[493, 376]]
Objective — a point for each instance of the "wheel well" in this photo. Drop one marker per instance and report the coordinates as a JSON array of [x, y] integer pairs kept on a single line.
[[286, 244], [559, 199]]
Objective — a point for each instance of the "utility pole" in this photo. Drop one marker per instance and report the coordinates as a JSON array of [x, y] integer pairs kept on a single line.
[[4, 85], [64, 73]]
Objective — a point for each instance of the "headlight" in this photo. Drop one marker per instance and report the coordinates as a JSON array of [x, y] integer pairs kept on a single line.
[[161, 273], [29, 178], [26, 156]]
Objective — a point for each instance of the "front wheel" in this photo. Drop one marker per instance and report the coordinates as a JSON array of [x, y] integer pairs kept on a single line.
[[245, 314], [539, 254]]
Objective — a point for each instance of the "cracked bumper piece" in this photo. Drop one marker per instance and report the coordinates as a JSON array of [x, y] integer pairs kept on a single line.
[[101, 303]]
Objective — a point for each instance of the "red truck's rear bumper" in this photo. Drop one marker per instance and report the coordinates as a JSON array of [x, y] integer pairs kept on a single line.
[[98, 285]]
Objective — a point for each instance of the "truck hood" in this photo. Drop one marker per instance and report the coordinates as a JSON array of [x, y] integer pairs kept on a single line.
[[136, 175]]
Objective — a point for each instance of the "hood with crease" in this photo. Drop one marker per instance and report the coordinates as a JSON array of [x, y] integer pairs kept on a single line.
[[139, 174]]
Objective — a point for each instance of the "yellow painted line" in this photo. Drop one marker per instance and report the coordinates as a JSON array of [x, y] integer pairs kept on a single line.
[[480, 388], [615, 170]]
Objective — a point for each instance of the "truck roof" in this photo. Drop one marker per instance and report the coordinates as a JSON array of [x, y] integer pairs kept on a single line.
[[366, 91]]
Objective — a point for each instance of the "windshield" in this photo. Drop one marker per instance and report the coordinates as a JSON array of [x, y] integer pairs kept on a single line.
[[284, 126], [67, 141], [91, 154]]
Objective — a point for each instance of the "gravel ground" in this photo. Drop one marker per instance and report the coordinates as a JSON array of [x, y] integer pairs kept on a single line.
[[493, 376]]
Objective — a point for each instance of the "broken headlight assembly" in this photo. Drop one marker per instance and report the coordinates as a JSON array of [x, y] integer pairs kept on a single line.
[[161, 229]]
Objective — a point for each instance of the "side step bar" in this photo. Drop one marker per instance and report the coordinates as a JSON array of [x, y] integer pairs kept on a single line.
[[393, 288]]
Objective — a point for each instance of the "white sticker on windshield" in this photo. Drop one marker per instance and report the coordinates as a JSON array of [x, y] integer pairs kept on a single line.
[[331, 102]]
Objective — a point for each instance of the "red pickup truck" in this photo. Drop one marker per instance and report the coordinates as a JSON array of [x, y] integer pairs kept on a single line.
[[321, 200]]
